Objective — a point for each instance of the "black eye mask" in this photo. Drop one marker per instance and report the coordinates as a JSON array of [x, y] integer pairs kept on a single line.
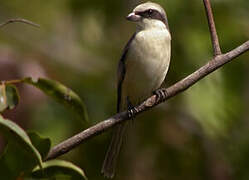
[[153, 14]]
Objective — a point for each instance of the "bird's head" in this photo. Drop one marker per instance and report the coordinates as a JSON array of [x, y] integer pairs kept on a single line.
[[149, 15]]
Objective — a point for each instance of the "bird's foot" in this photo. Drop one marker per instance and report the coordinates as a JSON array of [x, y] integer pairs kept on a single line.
[[161, 94], [131, 109], [132, 112]]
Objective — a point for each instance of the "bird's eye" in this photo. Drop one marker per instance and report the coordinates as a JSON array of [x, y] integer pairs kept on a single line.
[[150, 11]]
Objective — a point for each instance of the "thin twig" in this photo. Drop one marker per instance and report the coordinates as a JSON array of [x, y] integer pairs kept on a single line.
[[172, 91], [212, 29], [21, 21], [14, 81]]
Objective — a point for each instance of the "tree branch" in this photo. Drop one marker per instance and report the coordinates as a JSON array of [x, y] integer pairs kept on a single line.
[[172, 91], [19, 20], [212, 29]]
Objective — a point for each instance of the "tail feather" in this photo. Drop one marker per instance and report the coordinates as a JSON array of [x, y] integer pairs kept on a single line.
[[110, 162]]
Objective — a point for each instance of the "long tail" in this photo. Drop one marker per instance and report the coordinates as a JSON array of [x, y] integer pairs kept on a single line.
[[110, 162]]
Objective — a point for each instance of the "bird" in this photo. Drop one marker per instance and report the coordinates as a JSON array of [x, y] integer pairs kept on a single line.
[[141, 70]]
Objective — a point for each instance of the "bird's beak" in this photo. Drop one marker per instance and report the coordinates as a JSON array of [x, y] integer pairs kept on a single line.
[[133, 17]]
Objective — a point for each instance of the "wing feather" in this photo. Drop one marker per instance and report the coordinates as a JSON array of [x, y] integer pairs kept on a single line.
[[122, 70]]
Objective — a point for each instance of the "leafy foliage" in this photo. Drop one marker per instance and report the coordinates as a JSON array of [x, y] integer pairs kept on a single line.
[[23, 153], [9, 97], [16, 134], [12, 96], [61, 94], [55, 168], [20, 155], [41, 144]]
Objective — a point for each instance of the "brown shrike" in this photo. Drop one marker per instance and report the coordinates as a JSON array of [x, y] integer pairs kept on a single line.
[[141, 70]]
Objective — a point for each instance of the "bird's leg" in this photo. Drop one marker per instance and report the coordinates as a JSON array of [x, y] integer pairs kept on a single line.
[[131, 109], [161, 94]]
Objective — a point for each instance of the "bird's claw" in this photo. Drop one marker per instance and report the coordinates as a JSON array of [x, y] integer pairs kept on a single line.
[[132, 112], [161, 94]]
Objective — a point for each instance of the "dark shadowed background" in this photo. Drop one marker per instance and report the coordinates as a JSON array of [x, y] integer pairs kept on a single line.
[[200, 134]]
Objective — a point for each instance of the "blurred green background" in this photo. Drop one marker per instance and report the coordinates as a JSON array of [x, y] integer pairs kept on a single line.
[[199, 134]]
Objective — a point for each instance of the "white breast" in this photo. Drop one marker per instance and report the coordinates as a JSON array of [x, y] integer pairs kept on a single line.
[[146, 65]]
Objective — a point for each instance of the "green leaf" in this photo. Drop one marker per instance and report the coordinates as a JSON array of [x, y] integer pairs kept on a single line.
[[3, 98], [20, 155], [16, 162], [61, 94], [12, 96], [9, 97], [41, 144], [55, 168]]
